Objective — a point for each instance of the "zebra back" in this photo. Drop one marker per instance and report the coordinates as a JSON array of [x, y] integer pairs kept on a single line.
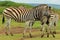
[[18, 14]]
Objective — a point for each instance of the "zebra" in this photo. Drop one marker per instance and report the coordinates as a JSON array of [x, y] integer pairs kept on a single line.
[[23, 15], [53, 21], [18, 14], [46, 20]]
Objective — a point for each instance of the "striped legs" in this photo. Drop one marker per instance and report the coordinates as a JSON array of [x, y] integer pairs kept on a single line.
[[7, 27], [51, 28], [25, 29], [42, 30], [28, 24], [54, 30]]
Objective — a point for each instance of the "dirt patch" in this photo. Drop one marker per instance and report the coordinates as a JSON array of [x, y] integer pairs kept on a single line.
[[18, 30]]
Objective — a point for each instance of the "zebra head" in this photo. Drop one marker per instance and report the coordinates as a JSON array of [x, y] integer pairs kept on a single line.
[[40, 12]]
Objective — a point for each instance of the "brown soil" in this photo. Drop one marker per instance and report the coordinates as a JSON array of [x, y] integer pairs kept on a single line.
[[19, 30]]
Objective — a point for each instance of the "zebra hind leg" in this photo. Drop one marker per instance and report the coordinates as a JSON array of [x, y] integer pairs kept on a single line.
[[8, 26]]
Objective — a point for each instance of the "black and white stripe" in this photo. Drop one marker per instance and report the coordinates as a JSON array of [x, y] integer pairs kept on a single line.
[[23, 14], [17, 14]]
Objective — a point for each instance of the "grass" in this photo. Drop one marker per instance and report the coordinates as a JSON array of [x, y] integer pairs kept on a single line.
[[19, 36], [15, 37]]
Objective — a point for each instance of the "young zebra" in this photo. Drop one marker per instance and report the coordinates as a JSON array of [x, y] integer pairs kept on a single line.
[[53, 22]]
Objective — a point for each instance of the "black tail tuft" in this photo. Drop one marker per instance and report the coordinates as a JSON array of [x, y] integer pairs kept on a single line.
[[3, 19]]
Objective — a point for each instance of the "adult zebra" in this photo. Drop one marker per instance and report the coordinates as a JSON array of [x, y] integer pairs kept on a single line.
[[22, 14]]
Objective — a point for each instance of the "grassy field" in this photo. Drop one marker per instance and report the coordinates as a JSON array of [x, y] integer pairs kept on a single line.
[[6, 4], [19, 36]]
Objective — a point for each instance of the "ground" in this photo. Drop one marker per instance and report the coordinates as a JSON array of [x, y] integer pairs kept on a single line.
[[18, 33], [17, 29]]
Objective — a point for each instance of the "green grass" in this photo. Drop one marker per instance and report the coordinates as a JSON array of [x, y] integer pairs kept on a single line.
[[15, 37], [45, 38], [19, 36], [5, 4]]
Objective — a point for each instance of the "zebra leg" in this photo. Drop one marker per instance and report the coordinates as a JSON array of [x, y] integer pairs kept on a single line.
[[43, 29], [25, 29], [48, 31], [54, 28], [50, 28], [30, 32], [41, 26], [30, 25], [8, 26]]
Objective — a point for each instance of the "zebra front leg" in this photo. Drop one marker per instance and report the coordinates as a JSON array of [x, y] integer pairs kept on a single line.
[[54, 30], [25, 29], [43, 29], [30, 25], [50, 29]]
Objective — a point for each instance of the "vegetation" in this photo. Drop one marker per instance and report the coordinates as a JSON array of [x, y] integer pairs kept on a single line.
[[5, 4]]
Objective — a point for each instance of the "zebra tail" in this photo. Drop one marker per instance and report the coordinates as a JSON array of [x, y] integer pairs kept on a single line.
[[3, 19]]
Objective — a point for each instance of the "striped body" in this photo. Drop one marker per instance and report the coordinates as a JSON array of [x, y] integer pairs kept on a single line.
[[53, 19], [22, 14], [18, 14]]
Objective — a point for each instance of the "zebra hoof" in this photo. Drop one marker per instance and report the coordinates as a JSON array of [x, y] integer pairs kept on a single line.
[[23, 35], [54, 36], [11, 34], [46, 30], [47, 34], [54, 32], [42, 36], [6, 33], [40, 30], [30, 35]]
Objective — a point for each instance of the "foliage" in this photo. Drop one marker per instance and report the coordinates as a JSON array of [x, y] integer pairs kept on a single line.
[[5, 4]]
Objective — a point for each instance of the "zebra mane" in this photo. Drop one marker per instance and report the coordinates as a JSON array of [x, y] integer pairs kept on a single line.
[[40, 5]]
